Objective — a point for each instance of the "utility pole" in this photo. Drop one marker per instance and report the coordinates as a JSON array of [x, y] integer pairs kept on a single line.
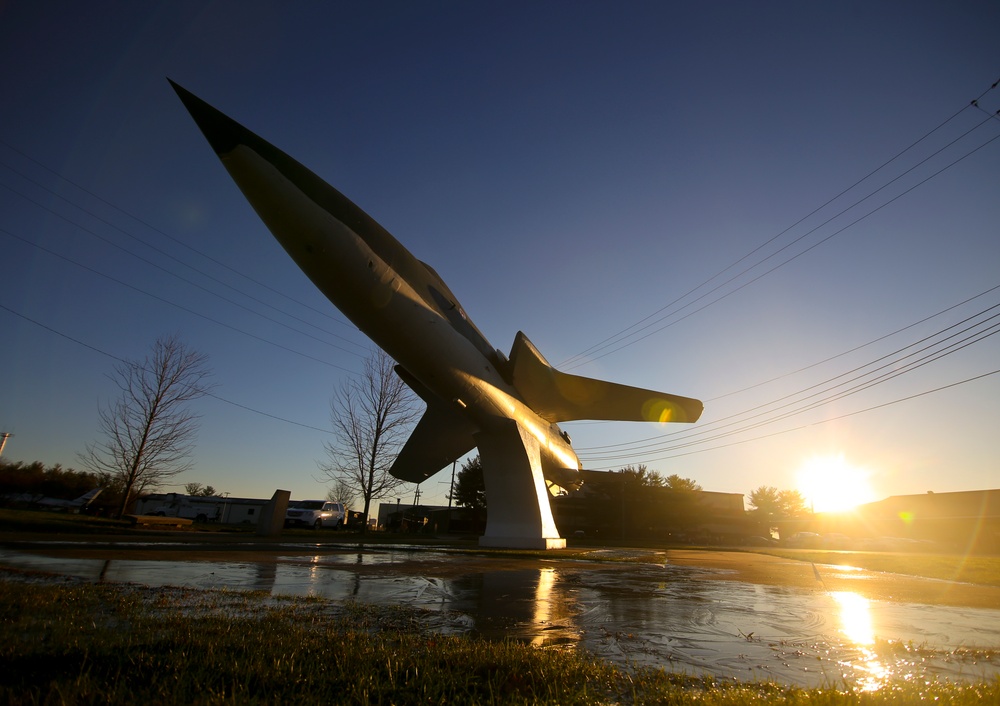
[[451, 491], [5, 435], [621, 479], [416, 495]]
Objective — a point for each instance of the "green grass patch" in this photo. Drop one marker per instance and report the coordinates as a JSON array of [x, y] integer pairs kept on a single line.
[[984, 570], [79, 643]]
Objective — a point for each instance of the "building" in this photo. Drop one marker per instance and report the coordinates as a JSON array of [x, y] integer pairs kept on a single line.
[[600, 509], [963, 521], [395, 517]]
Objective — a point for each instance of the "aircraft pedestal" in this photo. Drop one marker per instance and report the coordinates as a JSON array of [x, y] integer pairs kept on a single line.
[[522, 542], [519, 515]]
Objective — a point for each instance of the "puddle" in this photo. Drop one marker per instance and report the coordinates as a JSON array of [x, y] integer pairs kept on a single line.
[[669, 616]]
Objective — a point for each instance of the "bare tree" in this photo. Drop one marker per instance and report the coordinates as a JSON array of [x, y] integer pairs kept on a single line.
[[372, 416], [205, 491], [342, 492], [149, 430]]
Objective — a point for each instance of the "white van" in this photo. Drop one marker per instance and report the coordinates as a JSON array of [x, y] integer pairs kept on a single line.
[[316, 514]]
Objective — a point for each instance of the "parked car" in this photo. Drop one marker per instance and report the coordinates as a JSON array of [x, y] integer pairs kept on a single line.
[[316, 514], [836, 540], [760, 542], [807, 540]]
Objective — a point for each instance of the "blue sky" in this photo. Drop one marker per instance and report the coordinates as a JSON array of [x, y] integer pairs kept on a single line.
[[578, 171]]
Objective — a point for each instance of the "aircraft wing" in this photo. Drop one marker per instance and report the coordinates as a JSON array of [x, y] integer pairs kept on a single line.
[[560, 397], [440, 437]]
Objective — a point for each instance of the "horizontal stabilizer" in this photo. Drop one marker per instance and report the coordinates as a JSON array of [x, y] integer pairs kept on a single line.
[[442, 436], [561, 397]]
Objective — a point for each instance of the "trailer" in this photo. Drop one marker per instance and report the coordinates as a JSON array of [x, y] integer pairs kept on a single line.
[[235, 511]]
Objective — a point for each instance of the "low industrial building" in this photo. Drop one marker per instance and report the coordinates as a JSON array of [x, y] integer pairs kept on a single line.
[[394, 517], [602, 510], [963, 521]]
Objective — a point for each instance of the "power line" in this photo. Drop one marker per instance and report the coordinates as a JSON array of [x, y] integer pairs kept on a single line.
[[807, 407], [780, 264], [99, 351], [177, 276], [172, 303], [769, 413], [153, 228], [853, 350], [831, 419], [623, 336], [760, 416]]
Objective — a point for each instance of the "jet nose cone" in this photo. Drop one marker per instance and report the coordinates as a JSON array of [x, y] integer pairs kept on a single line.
[[223, 133]]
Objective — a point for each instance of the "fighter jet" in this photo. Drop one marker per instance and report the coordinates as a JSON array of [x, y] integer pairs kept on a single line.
[[508, 407], [70, 505]]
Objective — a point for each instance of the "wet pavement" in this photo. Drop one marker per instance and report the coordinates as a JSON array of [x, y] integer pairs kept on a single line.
[[681, 618]]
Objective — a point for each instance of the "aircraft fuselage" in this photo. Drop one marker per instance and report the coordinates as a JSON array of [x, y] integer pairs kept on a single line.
[[398, 301]]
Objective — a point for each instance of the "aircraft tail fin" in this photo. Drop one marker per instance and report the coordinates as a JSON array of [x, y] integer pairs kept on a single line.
[[561, 397], [89, 496], [440, 437]]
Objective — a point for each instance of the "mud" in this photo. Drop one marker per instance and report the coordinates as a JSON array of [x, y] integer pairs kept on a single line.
[[737, 615]]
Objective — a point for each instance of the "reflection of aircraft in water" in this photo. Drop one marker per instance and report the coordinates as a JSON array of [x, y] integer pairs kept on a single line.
[[538, 606], [56, 504]]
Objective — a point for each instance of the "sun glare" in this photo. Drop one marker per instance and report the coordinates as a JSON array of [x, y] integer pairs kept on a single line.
[[833, 484]]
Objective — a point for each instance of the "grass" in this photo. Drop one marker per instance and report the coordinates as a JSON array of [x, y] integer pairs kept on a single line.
[[983, 570], [80, 643]]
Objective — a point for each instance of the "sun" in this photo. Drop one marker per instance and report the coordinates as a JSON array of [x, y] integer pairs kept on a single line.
[[833, 484]]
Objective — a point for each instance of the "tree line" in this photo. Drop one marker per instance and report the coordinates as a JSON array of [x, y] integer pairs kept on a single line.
[[19, 478], [21, 481]]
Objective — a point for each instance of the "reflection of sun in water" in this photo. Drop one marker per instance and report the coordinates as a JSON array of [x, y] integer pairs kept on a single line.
[[855, 617], [856, 624], [833, 484], [544, 603]]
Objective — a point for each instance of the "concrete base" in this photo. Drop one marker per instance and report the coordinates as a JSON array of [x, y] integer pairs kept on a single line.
[[518, 514], [523, 542], [272, 516]]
